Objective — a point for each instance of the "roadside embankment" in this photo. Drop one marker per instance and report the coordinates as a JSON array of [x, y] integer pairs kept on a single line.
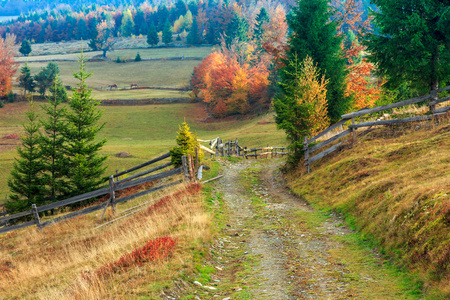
[[393, 185]]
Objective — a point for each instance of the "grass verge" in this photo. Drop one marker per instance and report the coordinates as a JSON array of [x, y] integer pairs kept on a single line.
[[393, 187]]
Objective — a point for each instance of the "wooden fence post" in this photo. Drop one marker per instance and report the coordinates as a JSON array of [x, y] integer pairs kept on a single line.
[[305, 148], [36, 217], [112, 193], [434, 97], [223, 148], [118, 177], [236, 149], [185, 169], [196, 158], [353, 131], [191, 168]]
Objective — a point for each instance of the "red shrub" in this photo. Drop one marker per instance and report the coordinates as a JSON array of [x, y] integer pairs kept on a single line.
[[156, 249], [11, 136]]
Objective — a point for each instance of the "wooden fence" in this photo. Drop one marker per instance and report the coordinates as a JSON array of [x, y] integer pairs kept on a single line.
[[218, 147], [115, 184], [434, 113]]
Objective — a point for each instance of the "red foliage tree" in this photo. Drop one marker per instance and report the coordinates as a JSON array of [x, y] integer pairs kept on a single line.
[[7, 65], [233, 80], [360, 85]]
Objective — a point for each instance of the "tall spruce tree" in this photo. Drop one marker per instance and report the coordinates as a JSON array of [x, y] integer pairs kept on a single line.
[[152, 35], [52, 144], [261, 20], [85, 164], [26, 182], [237, 29], [167, 33], [411, 43], [193, 38], [313, 33], [26, 81]]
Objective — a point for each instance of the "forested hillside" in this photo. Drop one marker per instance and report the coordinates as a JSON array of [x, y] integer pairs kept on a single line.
[[42, 21]]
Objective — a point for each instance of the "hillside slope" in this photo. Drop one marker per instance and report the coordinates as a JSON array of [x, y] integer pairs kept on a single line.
[[393, 185]]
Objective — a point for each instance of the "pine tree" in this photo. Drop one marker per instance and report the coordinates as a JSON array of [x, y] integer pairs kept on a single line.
[[25, 48], [52, 144], [152, 36], [193, 38], [411, 43], [301, 108], [167, 33], [85, 164], [313, 33], [138, 57], [26, 182], [46, 77], [261, 20], [26, 81], [211, 35], [82, 30], [186, 143], [236, 29]]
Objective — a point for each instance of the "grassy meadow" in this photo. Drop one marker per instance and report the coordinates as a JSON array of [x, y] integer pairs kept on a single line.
[[143, 131], [159, 72]]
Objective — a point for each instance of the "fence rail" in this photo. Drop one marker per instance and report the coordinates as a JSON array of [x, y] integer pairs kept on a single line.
[[435, 113], [114, 186], [232, 148]]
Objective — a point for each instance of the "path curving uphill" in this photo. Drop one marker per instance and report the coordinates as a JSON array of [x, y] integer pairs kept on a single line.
[[273, 245]]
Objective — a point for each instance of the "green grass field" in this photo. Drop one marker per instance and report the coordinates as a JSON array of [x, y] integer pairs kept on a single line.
[[144, 132], [123, 53], [144, 73]]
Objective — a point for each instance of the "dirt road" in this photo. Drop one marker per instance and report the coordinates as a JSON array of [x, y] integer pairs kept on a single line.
[[275, 246]]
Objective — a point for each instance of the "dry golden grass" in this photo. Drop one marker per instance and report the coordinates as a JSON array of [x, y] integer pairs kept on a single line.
[[394, 186], [50, 264]]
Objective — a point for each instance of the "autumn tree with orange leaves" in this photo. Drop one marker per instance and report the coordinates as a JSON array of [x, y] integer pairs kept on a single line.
[[7, 65], [360, 83], [233, 80]]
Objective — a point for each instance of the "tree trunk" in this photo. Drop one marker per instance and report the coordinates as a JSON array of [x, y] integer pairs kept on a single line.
[[434, 83]]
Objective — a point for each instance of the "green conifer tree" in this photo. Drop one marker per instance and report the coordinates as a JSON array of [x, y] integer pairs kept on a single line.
[[26, 81], [193, 38], [236, 29], [412, 43], [167, 33], [138, 57], [53, 144], [261, 20], [313, 33], [25, 48], [152, 35], [26, 182], [46, 77], [85, 164], [186, 143]]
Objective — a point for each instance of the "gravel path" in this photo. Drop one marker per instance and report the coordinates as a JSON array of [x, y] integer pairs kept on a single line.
[[294, 260], [273, 245]]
